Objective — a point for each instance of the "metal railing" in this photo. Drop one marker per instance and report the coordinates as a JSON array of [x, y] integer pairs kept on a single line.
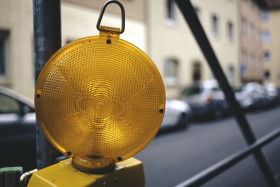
[[192, 20], [229, 161]]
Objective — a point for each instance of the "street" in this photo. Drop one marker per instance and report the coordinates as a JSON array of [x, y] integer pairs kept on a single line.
[[174, 156]]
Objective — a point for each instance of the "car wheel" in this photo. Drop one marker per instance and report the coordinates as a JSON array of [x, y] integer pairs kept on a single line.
[[182, 122]]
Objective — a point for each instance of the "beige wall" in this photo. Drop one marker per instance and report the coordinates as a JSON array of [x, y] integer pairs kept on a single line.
[[78, 21], [167, 41], [133, 8], [273, 65], [251, 41], [175, 40], [17, 17], [226, 50], [147, 27]]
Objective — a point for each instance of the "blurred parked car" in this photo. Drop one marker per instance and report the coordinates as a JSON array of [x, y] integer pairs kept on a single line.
[[252, 96], [206, 99], [272, 94], [17, 130], [177, 114]]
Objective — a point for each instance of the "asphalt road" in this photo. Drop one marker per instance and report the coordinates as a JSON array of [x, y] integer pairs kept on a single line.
[[174, 156]]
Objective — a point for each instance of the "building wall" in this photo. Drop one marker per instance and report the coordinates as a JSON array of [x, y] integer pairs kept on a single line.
[[251, 41], [148, 28], [78, 20], [173, 39], [226, 50], [167, 40], [133, 8], [273, 64], [16, 17]]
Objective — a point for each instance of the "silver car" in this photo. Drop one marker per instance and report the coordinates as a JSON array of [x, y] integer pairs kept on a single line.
[[252, 96], [206, 99], [177, 114], [17, 130], [272, 94]]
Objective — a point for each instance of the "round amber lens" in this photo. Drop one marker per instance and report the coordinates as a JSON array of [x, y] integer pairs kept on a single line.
[[100, 97]]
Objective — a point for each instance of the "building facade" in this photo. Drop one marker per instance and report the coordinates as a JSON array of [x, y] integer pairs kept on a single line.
[[16, 40], [174, 50], [271, 46], [78, 19], [251, 36], [245, 43]]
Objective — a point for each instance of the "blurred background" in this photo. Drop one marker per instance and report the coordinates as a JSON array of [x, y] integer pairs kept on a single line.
[[198, 128]]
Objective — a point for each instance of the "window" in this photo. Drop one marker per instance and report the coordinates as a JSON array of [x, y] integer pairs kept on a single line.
[[193, 90], [266, 36], [266, 16], [242, 69], [252, 4], [215, 25], [260, 62], [230, 31], [196, 74], [267, 75], [260, 35], [171, 71], [8, 105], [3, 52], [170, 11], [244, 58], [266, 56], [252, 31], [230, 74], [252, 60], [244, 26], [243, 63]]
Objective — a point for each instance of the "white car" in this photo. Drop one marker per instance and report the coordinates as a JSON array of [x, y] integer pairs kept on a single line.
[[177, 114], [272, 94], [251, 96]]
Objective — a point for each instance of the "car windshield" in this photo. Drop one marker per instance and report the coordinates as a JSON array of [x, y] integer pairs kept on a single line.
[[216, 89], [192, 90]]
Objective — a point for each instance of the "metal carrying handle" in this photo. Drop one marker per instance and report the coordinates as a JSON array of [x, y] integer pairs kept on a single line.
[[102, 13]]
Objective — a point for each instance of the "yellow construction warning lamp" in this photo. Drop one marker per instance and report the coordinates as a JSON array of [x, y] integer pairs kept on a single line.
[[100, 99]]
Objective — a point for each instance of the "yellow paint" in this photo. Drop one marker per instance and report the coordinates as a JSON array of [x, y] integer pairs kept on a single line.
[[127, 173]]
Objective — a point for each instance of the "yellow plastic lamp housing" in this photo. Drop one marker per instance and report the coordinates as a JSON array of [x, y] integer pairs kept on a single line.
[[100, 100]]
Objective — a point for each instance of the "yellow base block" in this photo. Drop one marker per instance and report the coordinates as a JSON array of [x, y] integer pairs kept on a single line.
[[128, 173]]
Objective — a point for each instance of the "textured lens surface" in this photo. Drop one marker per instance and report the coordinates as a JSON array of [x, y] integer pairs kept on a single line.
[[100, 98]]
